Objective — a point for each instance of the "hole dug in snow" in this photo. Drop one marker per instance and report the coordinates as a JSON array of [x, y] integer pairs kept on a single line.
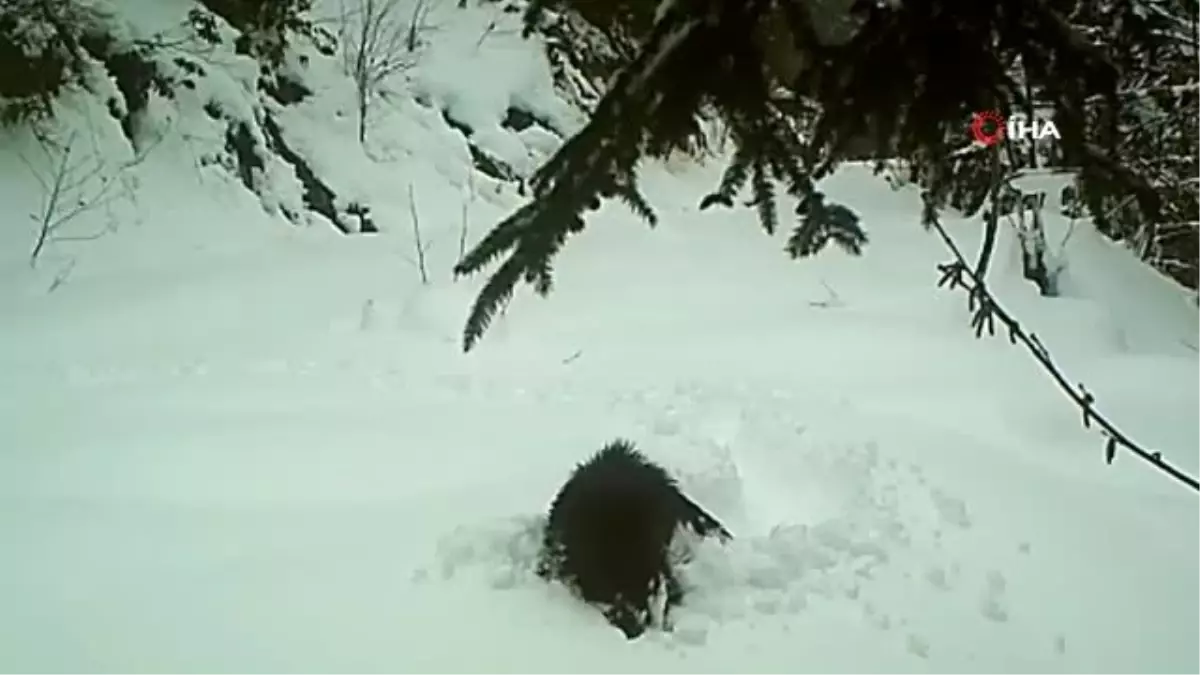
[[778, 568]]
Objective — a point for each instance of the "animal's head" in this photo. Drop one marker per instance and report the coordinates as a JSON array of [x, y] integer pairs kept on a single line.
[[628, 619]]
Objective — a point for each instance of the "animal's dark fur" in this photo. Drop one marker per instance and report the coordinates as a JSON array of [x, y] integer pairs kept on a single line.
[[609, 533]]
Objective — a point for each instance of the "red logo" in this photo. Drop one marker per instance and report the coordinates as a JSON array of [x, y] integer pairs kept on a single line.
[[987, 127]]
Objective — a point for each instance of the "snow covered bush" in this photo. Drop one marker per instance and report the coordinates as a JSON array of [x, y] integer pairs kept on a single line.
[[41, 53]]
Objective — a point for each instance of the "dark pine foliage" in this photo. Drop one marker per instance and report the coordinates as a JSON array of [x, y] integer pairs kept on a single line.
[[266, 25], [624, 21], [1151, 201], [623, 25], [909, 77], [40, 54]]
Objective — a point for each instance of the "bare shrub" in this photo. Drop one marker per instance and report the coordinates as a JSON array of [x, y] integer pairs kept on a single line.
[[378, 41], [75, 184]]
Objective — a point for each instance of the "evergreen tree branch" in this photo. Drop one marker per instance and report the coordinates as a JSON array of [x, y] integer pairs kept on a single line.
[[958, 274], [600, 161], [895, 82]]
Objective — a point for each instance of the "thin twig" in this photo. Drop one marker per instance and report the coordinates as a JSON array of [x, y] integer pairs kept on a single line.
[[416, 223], [834, 300], [68, 186], [486, 32], [466, 207], [377, 47], [50, 204]]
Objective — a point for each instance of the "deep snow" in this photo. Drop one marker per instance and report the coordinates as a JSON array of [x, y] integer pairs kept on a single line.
[[230, 443]]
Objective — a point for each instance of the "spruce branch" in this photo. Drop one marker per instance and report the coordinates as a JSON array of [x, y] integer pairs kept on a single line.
[[598, 162], [733, 180], [847, 90], [986, 311], [764, 198]]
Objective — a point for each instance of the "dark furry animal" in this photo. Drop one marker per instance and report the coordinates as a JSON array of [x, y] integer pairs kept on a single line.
[[609, 535]]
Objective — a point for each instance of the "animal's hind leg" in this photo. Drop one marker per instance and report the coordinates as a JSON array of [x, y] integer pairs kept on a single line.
[[674, 597]]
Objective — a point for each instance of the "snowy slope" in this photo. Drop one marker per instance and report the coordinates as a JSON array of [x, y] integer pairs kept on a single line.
[[230, 443]]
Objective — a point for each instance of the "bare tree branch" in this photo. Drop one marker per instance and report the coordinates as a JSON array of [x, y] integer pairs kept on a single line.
[[420, 245], [958, 274], [377, 44], [68, 192]]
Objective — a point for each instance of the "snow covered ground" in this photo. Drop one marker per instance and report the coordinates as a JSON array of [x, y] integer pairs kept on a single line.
[[229, 443]]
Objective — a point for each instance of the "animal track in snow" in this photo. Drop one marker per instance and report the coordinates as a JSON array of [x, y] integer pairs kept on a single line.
[[992, 604], [936, 576], [918, 646], [816, 516], [951, 509]]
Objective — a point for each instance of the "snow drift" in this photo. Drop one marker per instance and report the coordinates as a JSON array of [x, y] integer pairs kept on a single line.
[[238, 441]]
